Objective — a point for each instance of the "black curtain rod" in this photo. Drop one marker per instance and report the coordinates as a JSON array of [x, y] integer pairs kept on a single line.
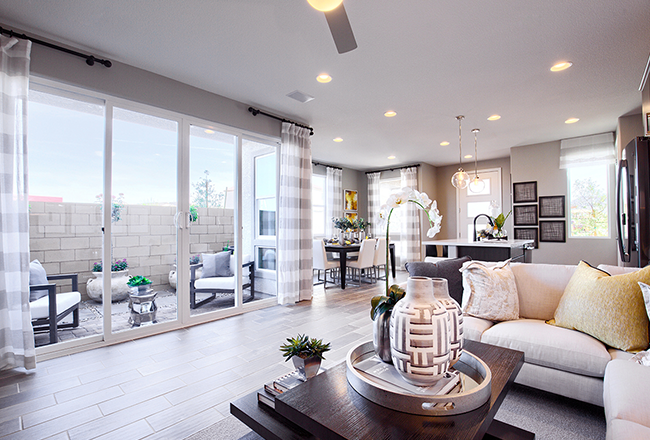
[[325, 165], [393, 169], [90, 60], [256, 112]]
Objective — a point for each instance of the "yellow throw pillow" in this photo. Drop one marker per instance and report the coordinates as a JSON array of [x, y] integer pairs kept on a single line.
[[609, 308]]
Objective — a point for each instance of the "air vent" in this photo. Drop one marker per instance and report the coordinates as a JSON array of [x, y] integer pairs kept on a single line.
[[299, 96]]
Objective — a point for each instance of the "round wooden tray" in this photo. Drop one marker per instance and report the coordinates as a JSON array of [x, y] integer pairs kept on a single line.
[[475, 389]]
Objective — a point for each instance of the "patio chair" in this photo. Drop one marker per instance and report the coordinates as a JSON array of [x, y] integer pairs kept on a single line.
[[321, 263], [223, 282], [48, 308]]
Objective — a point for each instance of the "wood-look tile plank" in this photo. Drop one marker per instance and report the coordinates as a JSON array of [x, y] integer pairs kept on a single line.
[[139, 429], [10, 426], [205, 373], [58, 425], [44, 389], [156, 378], [93, 387], [54, 411], [118, 419], [26, 407], [169, 363], [114, 370], [8, 390], [189, 426], [196, 389], [133, 398]]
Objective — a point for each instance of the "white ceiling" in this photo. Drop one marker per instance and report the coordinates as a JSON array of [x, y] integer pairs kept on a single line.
[[427, 60]]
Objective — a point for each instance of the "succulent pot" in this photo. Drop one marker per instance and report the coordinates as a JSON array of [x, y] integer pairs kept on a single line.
[[419, 333], [455, 320], [307, 368], [141, 290], [119, 287], [381, 336]]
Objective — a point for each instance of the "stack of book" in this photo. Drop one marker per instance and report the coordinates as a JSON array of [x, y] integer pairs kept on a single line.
[[277, 387]]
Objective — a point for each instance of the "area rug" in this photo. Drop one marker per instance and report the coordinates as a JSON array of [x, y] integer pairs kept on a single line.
[[549, 416]]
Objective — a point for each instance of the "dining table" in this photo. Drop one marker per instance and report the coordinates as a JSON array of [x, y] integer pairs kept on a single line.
[[344, 249]]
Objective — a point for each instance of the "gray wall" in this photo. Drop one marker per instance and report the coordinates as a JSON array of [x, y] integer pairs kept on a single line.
[[540, 163]]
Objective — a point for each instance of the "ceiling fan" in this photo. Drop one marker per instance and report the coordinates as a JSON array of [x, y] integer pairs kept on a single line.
[[337, 19]]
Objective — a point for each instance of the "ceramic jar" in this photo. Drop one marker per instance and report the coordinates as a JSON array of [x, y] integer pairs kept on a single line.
[[119, 287], [455, 320], [419, 333]]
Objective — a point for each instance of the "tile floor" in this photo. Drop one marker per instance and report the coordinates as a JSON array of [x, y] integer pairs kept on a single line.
[[175, 384]]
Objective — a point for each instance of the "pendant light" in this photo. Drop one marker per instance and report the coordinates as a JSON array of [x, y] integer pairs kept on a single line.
[[325, 5], [477, 185], [460, 179]]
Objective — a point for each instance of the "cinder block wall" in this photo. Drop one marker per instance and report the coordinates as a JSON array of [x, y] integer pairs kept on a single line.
[[67, 238]]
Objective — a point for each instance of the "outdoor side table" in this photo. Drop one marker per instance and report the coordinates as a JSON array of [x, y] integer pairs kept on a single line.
[[143, 308]]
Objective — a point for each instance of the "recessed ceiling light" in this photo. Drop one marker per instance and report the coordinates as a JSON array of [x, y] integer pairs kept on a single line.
[[390, 114], [338, 139], [209, 131], [391, 157], [444, 143], [561, 66], [468, 156], [571, 120], [324, 5], [494, 118], [323, 78]]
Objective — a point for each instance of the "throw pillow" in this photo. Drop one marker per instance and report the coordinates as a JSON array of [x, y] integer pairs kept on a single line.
[[490, 292], [609, 308], [216, 265], [37, 275], [645, 290], [448, 269]]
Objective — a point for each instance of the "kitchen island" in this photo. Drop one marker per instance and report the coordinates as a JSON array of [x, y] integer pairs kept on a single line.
[[486, 250]]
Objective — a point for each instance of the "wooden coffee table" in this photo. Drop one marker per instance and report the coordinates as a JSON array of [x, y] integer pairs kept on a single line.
[[327, 407]]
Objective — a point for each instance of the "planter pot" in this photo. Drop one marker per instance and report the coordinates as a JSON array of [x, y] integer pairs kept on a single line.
[[419, 333], [307, 368], [381, 336], [142, 290], [119, 289], [455, 321]]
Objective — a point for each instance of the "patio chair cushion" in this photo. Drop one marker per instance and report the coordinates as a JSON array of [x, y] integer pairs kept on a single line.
[[37, 275], [41, 307], [216, 265]]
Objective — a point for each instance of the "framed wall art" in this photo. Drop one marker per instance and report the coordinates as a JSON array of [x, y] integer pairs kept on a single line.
[[350, 200], [551, 206], [553, 231], [351, 215], [527, 234], [525, 215], [524, 192]]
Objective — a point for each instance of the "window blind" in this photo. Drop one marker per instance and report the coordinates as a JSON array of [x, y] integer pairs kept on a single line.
[[598, 149]]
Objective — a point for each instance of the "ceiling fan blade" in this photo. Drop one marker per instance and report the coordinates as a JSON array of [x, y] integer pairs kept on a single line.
[[337, 19]]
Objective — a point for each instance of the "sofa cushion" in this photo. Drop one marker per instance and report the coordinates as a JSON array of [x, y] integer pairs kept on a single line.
[[490, 292], [625, 393], [474, 327], [37, 276], [448, 268], [623, 429], [550, 346], [540, 287], [593, 300], [216, 265]]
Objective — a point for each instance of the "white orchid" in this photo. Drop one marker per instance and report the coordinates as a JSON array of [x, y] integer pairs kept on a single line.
[[434, 230], [398, 199]]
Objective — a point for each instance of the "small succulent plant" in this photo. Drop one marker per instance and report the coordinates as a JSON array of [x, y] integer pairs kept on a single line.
[[304, 347], [138, 280]]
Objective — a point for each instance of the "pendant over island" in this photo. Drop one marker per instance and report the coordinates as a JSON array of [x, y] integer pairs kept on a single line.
[[486, 250]]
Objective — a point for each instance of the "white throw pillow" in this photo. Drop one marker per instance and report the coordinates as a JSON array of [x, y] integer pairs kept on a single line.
[[490, 292], [37, 276]]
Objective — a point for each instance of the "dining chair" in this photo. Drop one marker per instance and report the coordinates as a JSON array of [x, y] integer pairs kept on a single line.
[[366, 259], [322, 263], [380, 258]]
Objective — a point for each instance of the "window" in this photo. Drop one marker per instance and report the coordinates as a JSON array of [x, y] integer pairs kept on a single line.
[[318, 205], [589, 201], [265, 178]]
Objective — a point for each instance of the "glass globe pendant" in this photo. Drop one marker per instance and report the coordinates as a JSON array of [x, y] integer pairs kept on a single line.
[[477, 185], [460, 179]]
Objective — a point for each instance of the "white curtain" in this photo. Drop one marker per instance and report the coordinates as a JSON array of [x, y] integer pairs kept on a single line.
[[598, 149], [410, 237], [16, 333], [294, 216], [374, 203], [334, 203]]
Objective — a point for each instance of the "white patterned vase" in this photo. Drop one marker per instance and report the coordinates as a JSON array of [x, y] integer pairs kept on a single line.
[[419, 333], [455, 318]]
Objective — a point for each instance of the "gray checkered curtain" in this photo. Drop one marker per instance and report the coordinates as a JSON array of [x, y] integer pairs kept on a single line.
[[16, 334], [374, 204], [334, 202], [410, 236], [295, 281]]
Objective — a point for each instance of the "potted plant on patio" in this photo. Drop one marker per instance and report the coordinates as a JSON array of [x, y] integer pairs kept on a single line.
[[119, 279], [139, 284], [306, 353]]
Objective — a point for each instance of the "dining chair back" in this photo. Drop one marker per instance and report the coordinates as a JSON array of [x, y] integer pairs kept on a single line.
[[320, 262], [366, 257], [380, 256]]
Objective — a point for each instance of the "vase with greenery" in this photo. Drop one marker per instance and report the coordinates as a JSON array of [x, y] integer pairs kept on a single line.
[[139, 284], [381, 308], [498, 231], [307, 354]]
